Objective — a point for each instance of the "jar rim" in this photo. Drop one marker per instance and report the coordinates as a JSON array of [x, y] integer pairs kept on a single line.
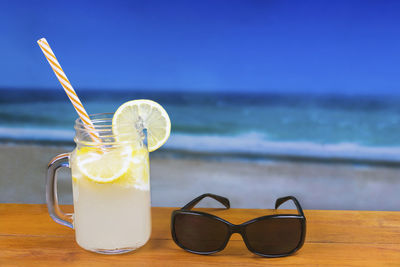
[[80, 125], [102, 125]]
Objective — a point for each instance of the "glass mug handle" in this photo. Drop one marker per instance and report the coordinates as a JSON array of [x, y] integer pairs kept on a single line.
[[55, 212]]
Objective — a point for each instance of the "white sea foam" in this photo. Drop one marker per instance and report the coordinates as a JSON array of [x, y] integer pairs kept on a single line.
[[245, 144], [36, 134], [258, 144]]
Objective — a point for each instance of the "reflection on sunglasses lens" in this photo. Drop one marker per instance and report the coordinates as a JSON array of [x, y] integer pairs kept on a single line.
[[200, 233], [274, 236]]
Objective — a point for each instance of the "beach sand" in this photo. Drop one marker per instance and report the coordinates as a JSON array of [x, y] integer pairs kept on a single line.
[[248, 184]]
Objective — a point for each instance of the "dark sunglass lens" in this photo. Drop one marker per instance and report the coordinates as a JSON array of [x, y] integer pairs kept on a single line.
[[274, 236], [200, 233]]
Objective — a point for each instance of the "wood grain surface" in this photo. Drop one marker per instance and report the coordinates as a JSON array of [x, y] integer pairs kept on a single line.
[[28, 237]]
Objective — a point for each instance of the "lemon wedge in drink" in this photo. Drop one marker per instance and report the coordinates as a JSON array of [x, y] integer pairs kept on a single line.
[[150, 114], [104, 166], [138, 172]]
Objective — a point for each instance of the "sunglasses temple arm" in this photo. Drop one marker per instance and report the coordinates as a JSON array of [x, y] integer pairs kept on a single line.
[[223, 200], [282, 200]]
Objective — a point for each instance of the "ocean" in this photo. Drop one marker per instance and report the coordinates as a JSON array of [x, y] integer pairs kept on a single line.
[[247, 125]]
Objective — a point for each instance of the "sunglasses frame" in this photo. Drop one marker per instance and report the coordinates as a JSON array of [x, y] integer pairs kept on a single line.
[[240, 228]]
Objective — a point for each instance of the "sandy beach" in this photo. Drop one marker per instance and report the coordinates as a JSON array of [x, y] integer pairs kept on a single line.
[[248, 184]]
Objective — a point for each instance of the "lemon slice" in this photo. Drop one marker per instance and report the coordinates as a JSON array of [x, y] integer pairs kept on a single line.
[[138, 173], [104, 166], [151, 114]]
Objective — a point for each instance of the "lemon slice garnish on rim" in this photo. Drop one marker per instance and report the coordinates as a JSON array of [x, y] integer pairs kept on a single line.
[[104, 166], [151, 114]]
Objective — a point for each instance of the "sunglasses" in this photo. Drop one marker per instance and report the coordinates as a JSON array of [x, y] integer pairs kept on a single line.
[[268, 236]]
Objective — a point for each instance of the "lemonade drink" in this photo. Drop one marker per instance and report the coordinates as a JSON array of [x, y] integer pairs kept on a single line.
[[110, 177], [112, 215]]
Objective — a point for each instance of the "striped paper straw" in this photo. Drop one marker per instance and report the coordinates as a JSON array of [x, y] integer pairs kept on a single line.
[[51, 58]]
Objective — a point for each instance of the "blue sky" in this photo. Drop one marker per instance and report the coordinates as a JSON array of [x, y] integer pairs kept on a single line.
[[285, 46]]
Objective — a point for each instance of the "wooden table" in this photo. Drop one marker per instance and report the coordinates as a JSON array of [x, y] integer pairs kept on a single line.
[[28, 237]]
